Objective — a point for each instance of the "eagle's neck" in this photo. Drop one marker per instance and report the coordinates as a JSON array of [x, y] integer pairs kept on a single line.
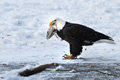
[[60, 24]]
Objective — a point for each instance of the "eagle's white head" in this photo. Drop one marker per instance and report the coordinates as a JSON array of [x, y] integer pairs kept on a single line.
[[58, 23]]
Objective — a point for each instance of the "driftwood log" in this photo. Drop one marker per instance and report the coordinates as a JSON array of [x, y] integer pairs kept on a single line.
[[37, 69]]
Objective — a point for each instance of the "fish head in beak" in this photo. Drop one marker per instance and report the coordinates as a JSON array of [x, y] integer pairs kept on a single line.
[[51, 30]]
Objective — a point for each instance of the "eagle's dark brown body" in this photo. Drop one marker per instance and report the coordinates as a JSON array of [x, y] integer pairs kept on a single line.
[[79, 35]]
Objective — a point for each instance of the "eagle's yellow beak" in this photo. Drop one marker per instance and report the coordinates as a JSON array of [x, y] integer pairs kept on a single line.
[[51, 23]]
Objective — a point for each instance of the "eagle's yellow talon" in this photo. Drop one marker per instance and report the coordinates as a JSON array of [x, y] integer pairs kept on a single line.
[[69, 57]]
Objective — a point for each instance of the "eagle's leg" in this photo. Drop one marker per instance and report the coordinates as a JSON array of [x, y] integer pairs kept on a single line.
[[69, 57]]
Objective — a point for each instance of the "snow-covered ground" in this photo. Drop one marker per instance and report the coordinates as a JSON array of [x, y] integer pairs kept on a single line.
[[23, 26]]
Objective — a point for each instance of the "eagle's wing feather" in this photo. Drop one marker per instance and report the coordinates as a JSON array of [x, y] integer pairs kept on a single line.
[[84, 34]]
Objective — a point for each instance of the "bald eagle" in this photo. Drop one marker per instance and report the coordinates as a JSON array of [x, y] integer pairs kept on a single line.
[[76, 35]]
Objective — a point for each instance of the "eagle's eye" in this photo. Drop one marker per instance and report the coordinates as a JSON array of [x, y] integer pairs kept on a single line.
[[55, 20]]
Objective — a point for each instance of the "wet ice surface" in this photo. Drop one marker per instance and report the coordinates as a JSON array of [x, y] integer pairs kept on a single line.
[[70, 71], [9, 67], [84, 71]]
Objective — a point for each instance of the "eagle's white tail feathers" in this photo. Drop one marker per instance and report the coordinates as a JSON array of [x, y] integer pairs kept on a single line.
[[105, 41]]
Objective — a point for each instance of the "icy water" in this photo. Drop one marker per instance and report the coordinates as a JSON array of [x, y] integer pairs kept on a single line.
[[75, 71], [5, 67], [84, 71]]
